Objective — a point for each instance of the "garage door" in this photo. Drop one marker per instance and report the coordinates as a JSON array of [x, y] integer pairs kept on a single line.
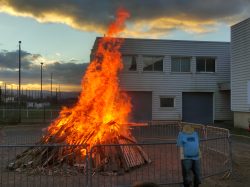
[[142, 106], [197, 107]]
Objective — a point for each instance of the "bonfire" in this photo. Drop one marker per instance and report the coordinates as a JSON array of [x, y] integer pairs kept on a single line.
[[99, 117]]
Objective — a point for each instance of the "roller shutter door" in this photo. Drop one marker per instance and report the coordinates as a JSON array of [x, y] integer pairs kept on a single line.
[[197, 107], [142, 106]]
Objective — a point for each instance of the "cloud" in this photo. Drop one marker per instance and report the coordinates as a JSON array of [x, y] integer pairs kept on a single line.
[[9, 60], [148, 17], [64, 73]]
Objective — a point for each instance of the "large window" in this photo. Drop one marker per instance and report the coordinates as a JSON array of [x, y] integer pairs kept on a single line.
[[205, 64], [180, 64], [167, 102], [152, 63], [129, 62]]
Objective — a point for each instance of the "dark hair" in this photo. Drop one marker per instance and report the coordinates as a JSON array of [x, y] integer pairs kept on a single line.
[[145, 184]]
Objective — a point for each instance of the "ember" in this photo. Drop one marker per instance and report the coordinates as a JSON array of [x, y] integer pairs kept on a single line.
[[99, 117]]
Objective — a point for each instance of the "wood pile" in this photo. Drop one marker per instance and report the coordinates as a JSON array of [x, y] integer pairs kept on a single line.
[[116, 155], [120, 154]]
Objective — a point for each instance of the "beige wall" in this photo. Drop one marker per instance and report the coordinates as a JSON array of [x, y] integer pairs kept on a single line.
[[241, 119]]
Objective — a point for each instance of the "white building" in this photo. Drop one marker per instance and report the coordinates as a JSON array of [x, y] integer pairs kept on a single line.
[[240, 73], [177, 80], [189, 80]]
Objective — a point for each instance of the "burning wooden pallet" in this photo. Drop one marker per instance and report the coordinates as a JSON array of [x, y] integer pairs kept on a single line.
[[118, 154], [123, 154]]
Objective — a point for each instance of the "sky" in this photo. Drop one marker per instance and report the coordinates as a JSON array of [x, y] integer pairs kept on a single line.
[[61, 33]]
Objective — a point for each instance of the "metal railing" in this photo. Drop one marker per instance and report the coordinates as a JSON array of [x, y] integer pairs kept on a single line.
[[41, 167], [158, 141]]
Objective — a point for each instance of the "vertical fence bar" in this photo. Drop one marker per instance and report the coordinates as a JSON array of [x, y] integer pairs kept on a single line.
[[230, 153], [44, 113]]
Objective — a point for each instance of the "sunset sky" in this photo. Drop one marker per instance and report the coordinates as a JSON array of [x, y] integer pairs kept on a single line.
[[60, 33]]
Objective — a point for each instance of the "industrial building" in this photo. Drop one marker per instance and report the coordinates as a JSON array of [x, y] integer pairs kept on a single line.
[[192, 81]]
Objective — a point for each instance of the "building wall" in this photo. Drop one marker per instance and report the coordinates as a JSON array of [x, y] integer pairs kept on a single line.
[[167, 83], [242, 119], [240, 76], [240, 65]]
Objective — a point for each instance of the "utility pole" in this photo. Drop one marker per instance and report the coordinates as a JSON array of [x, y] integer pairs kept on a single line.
[[19, 87], [41, 81], [0, 95], [4, 99], [59, 92], [56, 96], [51, 85]]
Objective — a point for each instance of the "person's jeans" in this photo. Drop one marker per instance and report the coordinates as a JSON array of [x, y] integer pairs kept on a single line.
[[187, 166]]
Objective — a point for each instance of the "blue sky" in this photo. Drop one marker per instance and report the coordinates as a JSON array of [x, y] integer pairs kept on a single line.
[[61, 33]]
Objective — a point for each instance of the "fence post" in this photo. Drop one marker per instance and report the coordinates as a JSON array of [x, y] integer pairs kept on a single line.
[[51, 114], [3, 113], [89, 175], [87, 167], [43, 113], [231, 153]]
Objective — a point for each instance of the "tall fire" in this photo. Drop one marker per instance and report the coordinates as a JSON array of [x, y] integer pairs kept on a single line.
[[102, 109], [99, 117]]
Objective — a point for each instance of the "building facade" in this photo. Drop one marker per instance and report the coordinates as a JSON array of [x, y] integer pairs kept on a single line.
[[240, 73], [177, 80]]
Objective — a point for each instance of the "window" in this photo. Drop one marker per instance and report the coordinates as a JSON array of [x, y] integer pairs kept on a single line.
[[205, 64], [180, 64], [129, 63], [167, 102], [152, 63]]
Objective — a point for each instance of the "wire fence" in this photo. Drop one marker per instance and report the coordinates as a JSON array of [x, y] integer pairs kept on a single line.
[[31, 105], [28, 115], [68, 168]]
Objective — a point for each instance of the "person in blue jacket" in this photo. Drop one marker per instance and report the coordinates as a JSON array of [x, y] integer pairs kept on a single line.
[[188, 142]]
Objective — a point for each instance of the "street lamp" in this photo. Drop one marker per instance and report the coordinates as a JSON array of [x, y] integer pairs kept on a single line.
[[41, 81], [51, 85], [19, 83]]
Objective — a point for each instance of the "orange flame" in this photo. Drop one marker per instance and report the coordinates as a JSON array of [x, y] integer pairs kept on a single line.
[[102, 109]]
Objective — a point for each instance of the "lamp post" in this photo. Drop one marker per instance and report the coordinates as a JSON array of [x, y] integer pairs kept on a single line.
[[51, 86], [41, 81], [19, 83]]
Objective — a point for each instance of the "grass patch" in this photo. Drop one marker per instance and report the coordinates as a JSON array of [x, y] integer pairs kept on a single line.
[[233, 130], [240, 131]]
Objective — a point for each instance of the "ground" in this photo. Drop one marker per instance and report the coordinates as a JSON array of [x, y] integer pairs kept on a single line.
[[241, 160], [241, 166], [240, 153]]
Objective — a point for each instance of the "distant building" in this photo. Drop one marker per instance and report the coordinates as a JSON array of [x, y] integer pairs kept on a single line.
[[37, 105], [240, 73], [9, 99]]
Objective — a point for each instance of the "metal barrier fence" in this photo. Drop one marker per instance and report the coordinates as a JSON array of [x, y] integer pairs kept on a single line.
[[158, 141], [41, 167]]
